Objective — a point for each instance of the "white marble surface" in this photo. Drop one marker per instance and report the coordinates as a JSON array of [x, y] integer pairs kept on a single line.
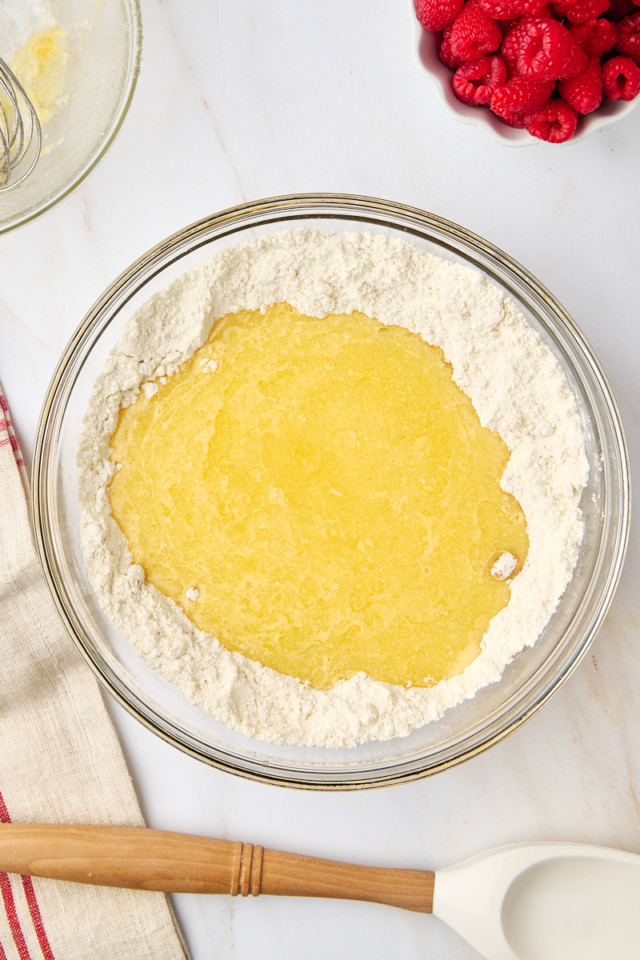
[[239, 101]]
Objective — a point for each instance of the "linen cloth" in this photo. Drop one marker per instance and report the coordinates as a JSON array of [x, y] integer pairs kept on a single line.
[[60, 762]]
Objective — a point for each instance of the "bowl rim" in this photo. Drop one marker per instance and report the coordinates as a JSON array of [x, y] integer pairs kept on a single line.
[[133, 7], [268, 211]]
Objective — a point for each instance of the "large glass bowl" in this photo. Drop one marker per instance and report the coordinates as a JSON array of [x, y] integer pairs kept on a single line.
[[103, 39], [464, 730]]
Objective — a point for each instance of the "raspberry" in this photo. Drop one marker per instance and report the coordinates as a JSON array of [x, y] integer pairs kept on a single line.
[[576, 62], [476, 81], [511, 44], [579, 11], [555, 123], [510, 117], [534, 7], [595, 36], [513, 120], [547, 51], [436, 14], [473, 33], [500, 9], [584, 92], [621, 79], [444, 53], [629, 36], [512, 9], [521, 95]]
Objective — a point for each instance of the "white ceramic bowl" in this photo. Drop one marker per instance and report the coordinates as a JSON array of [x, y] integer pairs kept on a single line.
[[427, 54]]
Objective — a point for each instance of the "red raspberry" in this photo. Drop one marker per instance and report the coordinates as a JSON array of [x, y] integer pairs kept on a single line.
[[521, 95], [579, 11], [629, 36], [500, 9], [513, 34], [576, 62], [547, 51], [444, 53], [473, 33], [534, 7], [584, 92], [436, 14], [595, 36], [510, 117], [475, 82], [621, 79], [555, 123], [512, 9], [511, 44]]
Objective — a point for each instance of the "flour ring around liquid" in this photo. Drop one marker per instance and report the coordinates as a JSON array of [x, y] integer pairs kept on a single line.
[[516, 385]]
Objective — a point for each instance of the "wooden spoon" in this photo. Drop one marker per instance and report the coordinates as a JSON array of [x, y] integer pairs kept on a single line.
[[538, 901], [144, 859]]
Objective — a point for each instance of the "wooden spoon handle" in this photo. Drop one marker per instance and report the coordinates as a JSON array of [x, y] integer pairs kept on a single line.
[[146, 859]]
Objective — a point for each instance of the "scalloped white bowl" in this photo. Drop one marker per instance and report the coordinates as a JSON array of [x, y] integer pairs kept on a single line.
[[427, 54]]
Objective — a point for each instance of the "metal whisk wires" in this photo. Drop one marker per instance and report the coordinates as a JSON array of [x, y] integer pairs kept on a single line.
[[20, 134]]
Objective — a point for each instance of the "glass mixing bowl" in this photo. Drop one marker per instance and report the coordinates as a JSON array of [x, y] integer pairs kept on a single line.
[[103, 43], [464, 730]]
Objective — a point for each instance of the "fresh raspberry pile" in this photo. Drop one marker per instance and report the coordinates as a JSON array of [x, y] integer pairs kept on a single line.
[[536, 65]]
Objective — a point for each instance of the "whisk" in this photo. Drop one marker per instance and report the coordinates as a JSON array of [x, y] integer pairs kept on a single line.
[[20, 134]]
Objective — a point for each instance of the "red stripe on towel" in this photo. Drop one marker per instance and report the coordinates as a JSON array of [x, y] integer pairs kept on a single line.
[[7, 896], [4, 813], [10, 441], [32, 903], [12, 917], [36, 917], [6, 426]]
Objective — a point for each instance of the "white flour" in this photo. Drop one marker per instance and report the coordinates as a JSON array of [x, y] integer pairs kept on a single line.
[[516, 386], [20, 19]]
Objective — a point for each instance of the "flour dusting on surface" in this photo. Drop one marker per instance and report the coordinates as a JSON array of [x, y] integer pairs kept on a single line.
[[21, 19], [517, 388]]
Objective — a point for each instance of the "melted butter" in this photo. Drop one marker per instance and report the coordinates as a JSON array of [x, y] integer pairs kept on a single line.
[[40, 66], [328, 495]]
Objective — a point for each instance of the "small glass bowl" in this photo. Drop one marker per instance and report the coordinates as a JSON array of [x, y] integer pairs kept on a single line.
[[465, 730], [427, 45], [104, 47]]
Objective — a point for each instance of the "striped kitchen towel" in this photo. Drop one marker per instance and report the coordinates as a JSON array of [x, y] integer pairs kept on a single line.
[[60, 762]]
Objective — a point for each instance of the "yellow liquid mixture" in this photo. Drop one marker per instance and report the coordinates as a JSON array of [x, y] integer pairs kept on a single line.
[[40, 65], [330, 494]]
